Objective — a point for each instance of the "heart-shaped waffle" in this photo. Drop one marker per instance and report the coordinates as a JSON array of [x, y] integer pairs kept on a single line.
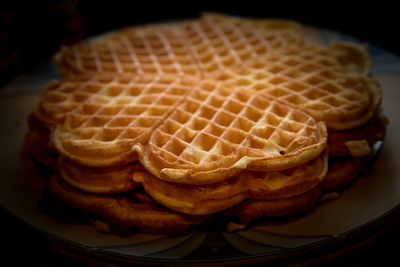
[[137, 50], [223, 113], [186, 48], [122, 214], [329, 83], [99, 118], [220, 130], [219, 43], [208, 199]]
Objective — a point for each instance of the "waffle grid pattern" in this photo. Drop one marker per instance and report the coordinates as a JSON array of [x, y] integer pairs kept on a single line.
[[329, 83], [191, 48], [218, 114], [157, 50], [219, 125], [210, 198], [218, 46], [108, 112], [239, 66], [309, 77]]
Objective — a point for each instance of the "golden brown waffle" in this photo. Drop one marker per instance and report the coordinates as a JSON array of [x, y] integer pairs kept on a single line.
[[264, 24], [220, 130], [339, 142], [152, 49], [110, 180], [251, 209], [224, 113], [225, 35], [272, 55], [99, 118], [222, 42], [341, 171], [37, 143], [123, 213], [186, 48], [208, 199], [329, 83]]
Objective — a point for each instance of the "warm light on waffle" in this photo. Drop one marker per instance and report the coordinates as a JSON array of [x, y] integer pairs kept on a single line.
[[158, 128]]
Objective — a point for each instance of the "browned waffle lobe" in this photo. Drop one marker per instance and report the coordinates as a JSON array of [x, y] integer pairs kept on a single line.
[[220, 130], [195, 47], [329, 83], [224, 43], [211, 198], [133, 50], [101, 117]]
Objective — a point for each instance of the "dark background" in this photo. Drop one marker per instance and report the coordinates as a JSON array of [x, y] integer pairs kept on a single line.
[[31, 31]]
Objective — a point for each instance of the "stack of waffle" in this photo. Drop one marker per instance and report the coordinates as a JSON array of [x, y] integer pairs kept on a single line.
[[158, 128]]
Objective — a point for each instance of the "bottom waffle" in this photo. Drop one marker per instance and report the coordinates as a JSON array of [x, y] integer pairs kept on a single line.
[[110, 180], [252, 209], [123, 213], [208, 199], [135, 210], [359, 141], [37, 143], [342, 171]]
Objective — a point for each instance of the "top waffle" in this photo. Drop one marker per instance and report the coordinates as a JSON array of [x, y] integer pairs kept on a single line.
[[219, 42], [152, 49], [329, 83], [189, 48], [202, 130], [203, 99], [220, 130], [99, 118]]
